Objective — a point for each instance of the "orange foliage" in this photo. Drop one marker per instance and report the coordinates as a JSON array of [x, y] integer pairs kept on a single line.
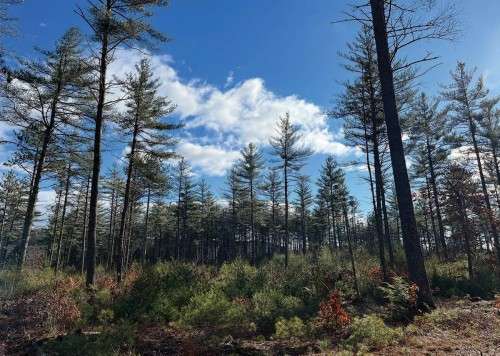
[[375, 274], [413, 291], [331, 315], [50, 307]]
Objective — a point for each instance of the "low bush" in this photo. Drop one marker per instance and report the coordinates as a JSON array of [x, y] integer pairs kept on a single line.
[[401, 298], [238, 279], [270, 305], [118, 340], [446, 282], [161, 292], [332, 317], [290, 328], [53, 308], [214, 312], [370, 333]]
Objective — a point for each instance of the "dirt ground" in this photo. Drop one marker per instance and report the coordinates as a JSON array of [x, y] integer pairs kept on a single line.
[[465, 328]]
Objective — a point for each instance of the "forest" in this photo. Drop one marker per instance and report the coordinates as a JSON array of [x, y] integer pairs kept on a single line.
[[145, 257]]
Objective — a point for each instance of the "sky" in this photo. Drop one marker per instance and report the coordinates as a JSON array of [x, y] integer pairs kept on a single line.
[[233, 67]]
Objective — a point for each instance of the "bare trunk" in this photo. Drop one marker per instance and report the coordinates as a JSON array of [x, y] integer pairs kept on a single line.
[[411, 242], [96, 164], [65, 204]]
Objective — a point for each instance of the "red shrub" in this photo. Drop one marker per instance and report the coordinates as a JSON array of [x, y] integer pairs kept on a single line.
[[331, 315]]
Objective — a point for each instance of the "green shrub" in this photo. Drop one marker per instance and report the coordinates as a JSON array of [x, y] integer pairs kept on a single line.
[[13, 283], [238, 279], [401, 298], [439, 317], [448, 280], [119, 340], [161, 292], [212, 310], [290, 328], [270, 305], [370, 332]]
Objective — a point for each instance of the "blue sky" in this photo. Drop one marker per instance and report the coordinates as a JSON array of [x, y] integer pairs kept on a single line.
[[234, 64]]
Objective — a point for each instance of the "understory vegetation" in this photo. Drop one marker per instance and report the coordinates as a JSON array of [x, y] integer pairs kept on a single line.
[[311, 304]]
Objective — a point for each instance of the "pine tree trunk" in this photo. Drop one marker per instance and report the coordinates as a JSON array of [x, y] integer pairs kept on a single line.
[[351, 253], [96, 162], [387, 230], [252, 228], [35, 186], [84, 226], [126, 200], [65, 204], [486, 196], [378, 210], [370, 176], [146, 226], [436, 200], [54, 230], [411, 242], [111, 229], [287, 236], [431, 212], [466, 234]]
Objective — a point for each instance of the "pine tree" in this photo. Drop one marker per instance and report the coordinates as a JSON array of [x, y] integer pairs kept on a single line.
[[465, 96], [249, 171], [304, 201], [145, 109], [113, 23], [46, 99], [291, 158], [272, 189], [427, 137]]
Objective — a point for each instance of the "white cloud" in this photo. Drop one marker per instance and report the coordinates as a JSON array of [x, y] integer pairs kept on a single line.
[[233, 116], [45, 199], [229, 79], [210, 159]]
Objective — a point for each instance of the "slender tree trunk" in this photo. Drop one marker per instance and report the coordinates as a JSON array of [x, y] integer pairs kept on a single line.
[[466, 234], [411, 242], [2, 227], [252, 228], [111, 229], [387, 230], [178, 231], [431, 212], [65, 204], [35, 186], [486, 196], [436, 200], [381, 237], [96, 164], [370, 176], [146, 226], [303, 229], [378, 210], [84, 226], [126, 200], [351, 253], [54, 230], [287, 235]]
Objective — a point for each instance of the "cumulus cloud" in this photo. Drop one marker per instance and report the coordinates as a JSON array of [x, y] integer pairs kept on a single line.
[[210, 159], [233, 116]]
